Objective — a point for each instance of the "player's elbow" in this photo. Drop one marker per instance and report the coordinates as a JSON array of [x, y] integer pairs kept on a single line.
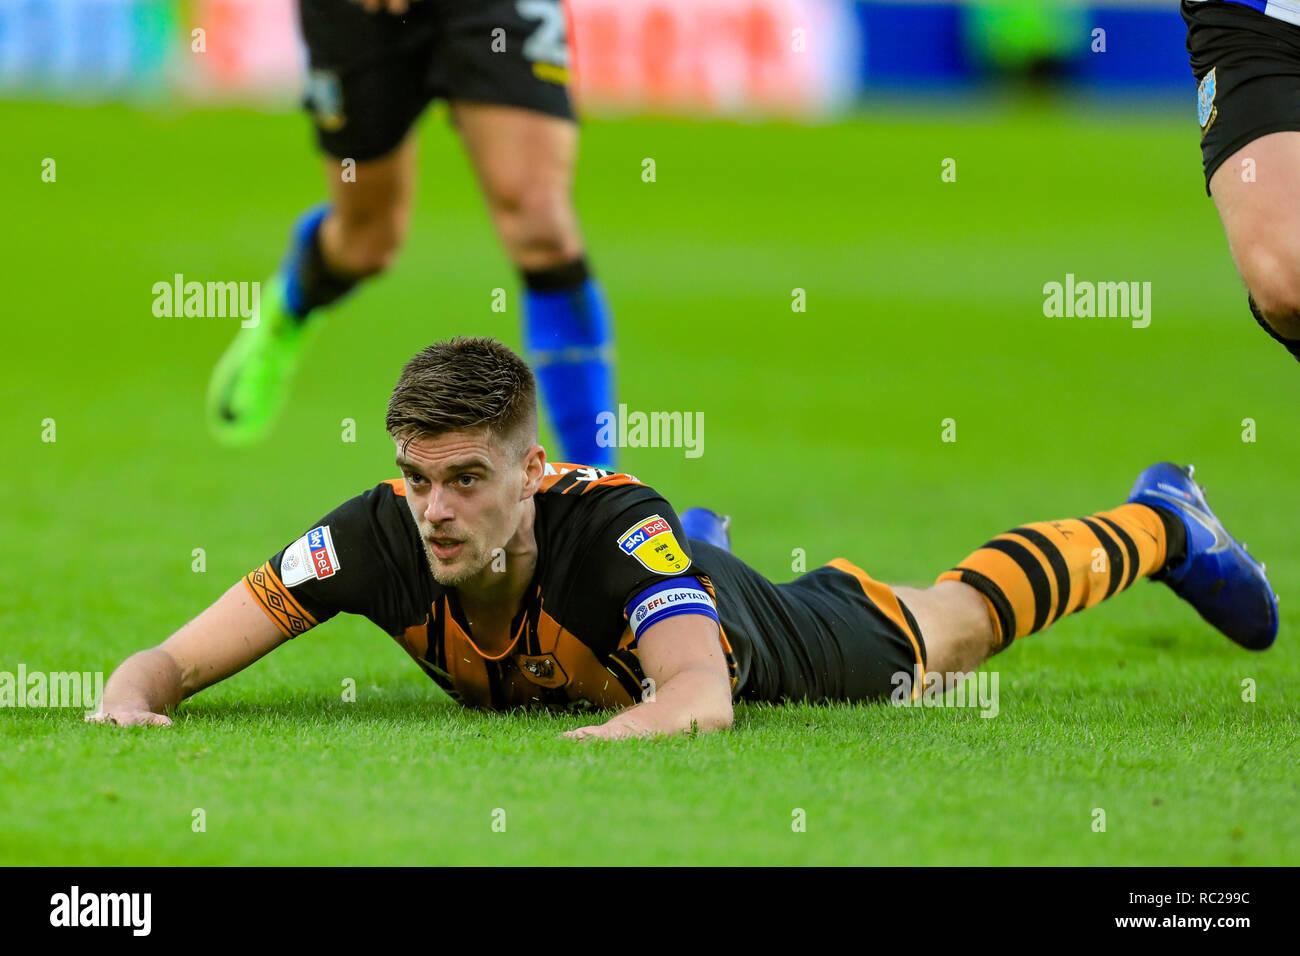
[[714, 709], [720, 719]]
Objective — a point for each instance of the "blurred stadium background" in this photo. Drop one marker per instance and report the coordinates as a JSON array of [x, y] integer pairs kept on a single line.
[[710, 56], [799, 145]]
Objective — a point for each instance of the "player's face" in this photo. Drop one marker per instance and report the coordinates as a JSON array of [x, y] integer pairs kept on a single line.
[[467, 492]]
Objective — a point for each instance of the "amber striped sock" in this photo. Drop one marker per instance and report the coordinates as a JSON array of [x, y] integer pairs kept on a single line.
[[1037, 573]]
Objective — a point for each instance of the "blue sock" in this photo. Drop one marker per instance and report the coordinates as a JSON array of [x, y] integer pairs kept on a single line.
[[309, 282], [570, 342]]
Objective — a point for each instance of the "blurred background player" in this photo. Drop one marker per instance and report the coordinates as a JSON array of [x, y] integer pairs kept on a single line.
[[503, 67], [1246, 58]]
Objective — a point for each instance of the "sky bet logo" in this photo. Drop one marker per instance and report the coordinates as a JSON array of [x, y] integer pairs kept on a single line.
[[652, 543], [319, 549], [74, 909], [654, 526]]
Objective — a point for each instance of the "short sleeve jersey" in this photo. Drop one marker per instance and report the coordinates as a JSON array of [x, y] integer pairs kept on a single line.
[[611, 556]]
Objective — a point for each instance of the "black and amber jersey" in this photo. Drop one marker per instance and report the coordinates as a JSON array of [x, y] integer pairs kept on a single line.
[[611, 561]]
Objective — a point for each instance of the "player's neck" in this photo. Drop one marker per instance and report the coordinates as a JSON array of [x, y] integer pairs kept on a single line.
[[496, 592]]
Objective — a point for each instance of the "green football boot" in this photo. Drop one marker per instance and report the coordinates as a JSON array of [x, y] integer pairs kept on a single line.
[[251, 381]]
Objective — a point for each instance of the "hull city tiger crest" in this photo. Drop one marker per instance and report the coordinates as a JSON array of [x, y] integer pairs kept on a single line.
[[1206, 111], [652, 543], [325, 96]]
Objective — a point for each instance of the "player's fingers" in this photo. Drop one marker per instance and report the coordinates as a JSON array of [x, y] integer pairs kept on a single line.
[[135, 718]]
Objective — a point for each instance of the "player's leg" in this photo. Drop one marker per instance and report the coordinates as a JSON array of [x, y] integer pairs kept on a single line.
[[955, 623], [368, 85], [1247, 67], [369, 215], [1257, 192], [510, 101], [332, 248], [355, 235], [1022, 581], [525, 162]]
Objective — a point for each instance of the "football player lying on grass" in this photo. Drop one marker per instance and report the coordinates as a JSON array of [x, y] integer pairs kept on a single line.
[[513, 581]]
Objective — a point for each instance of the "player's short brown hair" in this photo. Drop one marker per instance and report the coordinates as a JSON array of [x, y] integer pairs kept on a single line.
[[465, 383]]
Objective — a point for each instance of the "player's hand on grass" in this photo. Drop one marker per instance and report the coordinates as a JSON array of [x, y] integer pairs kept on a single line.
[[231, 634], [583, 732], [123, 717], [616, 728], [608, 731]]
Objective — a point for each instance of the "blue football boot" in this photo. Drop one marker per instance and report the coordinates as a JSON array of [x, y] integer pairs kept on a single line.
[[703, 525], [1225, 584]]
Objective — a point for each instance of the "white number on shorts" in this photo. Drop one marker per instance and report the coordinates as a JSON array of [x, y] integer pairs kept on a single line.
[[547, 42]]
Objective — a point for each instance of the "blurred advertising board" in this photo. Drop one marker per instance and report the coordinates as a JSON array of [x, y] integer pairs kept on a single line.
[[672, 56], [708, 57], [85, 47], [715, 56]]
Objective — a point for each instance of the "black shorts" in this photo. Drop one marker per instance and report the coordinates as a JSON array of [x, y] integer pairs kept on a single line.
[[1247, 68], [832, 634], [861, 638], [372, 74]]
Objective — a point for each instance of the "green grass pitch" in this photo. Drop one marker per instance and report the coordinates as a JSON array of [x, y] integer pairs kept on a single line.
[[823, 433]]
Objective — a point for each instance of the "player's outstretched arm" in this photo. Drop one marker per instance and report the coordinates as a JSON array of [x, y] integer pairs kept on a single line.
[[223, 640], [691, 688]]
